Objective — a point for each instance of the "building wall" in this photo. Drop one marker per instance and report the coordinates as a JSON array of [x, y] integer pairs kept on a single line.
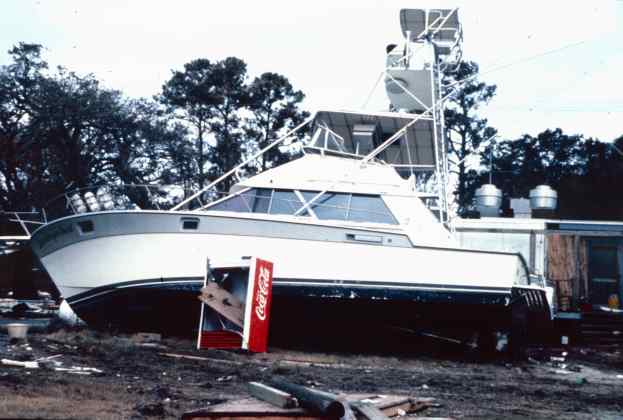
[[567, 268], [530, 244], [576, 256]]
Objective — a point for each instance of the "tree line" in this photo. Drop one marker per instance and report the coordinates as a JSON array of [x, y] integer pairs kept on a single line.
[[585, 171], [60, 130]]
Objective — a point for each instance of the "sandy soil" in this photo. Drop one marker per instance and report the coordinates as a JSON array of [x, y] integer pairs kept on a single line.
[[139, 381]]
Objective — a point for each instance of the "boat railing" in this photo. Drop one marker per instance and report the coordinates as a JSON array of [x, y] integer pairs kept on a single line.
[[154, 197], [111, 197], [18, 224], [195, 201]]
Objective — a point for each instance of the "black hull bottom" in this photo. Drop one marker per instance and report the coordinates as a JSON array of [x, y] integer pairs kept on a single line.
[[172, 307]]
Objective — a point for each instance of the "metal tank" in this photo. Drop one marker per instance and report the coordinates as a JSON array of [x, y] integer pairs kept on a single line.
[[543, 197], [488, 200]]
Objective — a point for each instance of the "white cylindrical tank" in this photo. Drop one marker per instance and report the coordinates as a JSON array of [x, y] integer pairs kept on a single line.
[[77, 204], [488, 200], [91, 201], [104, 198], [543, 197]]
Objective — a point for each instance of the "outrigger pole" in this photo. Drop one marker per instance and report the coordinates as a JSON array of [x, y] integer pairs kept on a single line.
[[246, 162]]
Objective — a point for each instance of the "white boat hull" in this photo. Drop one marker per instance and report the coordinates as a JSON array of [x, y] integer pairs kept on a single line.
[[120, 255]]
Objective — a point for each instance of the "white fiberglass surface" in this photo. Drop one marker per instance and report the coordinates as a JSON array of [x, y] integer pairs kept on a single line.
[[153, 256]]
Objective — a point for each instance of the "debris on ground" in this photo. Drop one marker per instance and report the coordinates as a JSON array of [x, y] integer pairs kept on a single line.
[[90, 374], [270, 401]]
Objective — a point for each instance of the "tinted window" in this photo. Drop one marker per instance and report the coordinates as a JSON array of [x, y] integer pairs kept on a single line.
[[369, 208], [236, 203], [258, 199], [332, 206], [285, 202], [603, 261]]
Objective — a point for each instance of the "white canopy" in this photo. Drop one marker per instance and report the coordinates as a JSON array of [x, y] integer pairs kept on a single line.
[[414, 148]]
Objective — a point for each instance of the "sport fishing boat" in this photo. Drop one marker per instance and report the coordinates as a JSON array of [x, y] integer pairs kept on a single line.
[[359, 224]]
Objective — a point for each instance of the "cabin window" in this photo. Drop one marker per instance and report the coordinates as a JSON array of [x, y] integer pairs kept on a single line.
[[236, 203], [352, 207], [254, 200], [258, 199], [369, 208], [329, 206], [284, 202]]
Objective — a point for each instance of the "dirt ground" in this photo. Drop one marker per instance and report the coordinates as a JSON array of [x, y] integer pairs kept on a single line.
[[138, 379]]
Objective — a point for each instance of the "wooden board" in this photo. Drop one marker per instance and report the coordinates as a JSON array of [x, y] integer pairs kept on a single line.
[[253, 409], [368, 411], [223, 302], [561, 258], [271, 395], [562, 267], [583, 267]]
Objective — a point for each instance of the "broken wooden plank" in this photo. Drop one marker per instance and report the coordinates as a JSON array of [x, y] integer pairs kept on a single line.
[[223, 302], [368, 410], [254, 409], [393, 405], [203, 359], [249, 409], [272, 395]]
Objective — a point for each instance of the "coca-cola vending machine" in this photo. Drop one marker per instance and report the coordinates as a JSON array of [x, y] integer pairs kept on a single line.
[[235, 309]]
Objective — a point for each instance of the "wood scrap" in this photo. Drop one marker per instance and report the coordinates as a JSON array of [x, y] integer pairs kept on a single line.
[[254, 409], [272, 395], [368, 410], [394, 405], [249, 409], [223, 302], [203, 359]]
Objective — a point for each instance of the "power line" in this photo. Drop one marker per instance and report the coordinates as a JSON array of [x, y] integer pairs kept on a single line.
[[533, 57]]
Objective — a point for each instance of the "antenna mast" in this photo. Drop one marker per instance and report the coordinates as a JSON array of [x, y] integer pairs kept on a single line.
[[413, 76]]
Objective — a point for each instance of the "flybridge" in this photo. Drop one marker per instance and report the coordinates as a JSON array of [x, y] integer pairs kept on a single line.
[[413, 140], [362, 135]]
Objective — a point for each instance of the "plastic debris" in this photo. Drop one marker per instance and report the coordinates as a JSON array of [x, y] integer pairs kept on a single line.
[[27, 365]]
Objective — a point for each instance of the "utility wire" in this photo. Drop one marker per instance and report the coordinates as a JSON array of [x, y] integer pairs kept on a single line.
[[518, 61], [533, 57]]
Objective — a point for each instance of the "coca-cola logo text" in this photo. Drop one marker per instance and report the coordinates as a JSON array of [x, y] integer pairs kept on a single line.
[[262, 294]]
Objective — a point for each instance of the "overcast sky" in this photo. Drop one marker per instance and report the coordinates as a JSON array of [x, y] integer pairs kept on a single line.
[[556, 64]]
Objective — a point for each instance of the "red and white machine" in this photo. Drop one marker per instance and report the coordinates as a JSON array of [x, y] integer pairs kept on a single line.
[[235, 310]]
